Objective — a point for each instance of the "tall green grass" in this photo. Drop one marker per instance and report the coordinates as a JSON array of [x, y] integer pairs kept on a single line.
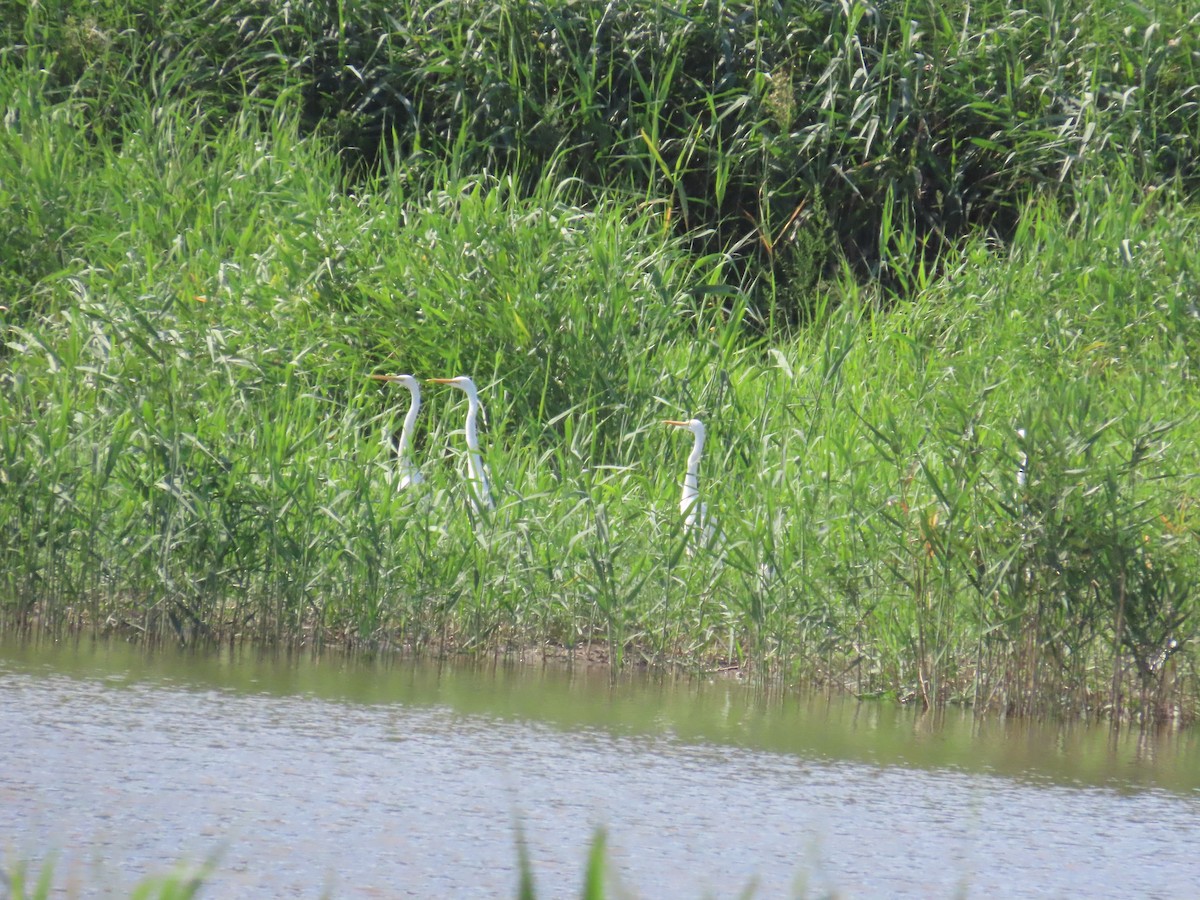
[[969, 476], [791, 136]]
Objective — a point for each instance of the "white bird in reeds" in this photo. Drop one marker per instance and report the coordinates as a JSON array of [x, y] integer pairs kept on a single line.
[[409, 473], [1023, 460], [477, 476], [699, 526]]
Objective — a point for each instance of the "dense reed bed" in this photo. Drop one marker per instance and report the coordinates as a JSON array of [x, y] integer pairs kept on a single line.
[[927, 271]]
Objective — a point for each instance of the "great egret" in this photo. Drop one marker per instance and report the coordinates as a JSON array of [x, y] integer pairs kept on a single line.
[[697, 523], [1023, 465], [476, 473], [409, 473]]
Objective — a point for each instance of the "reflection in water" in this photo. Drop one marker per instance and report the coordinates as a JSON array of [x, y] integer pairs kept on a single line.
[[371, 780]]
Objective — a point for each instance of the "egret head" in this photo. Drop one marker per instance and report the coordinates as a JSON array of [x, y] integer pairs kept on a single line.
[[695, 426], [462, 382], [407, 380]]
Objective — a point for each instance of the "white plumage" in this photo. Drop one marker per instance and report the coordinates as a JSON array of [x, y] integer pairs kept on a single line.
[[409, 473], [477, 476], [699, 525]]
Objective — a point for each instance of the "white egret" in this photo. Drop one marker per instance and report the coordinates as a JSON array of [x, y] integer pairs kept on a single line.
[[699, 526], [476, 472], [409, 473], [1023, 463]]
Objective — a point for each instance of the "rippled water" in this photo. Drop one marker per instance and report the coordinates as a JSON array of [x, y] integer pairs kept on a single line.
[[302, 778]]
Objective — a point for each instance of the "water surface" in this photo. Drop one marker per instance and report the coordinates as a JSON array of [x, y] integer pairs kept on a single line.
[[357, 779]]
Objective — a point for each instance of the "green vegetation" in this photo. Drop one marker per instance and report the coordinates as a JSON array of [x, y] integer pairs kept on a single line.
[[185, 885], [180, 885], [928, 271]]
